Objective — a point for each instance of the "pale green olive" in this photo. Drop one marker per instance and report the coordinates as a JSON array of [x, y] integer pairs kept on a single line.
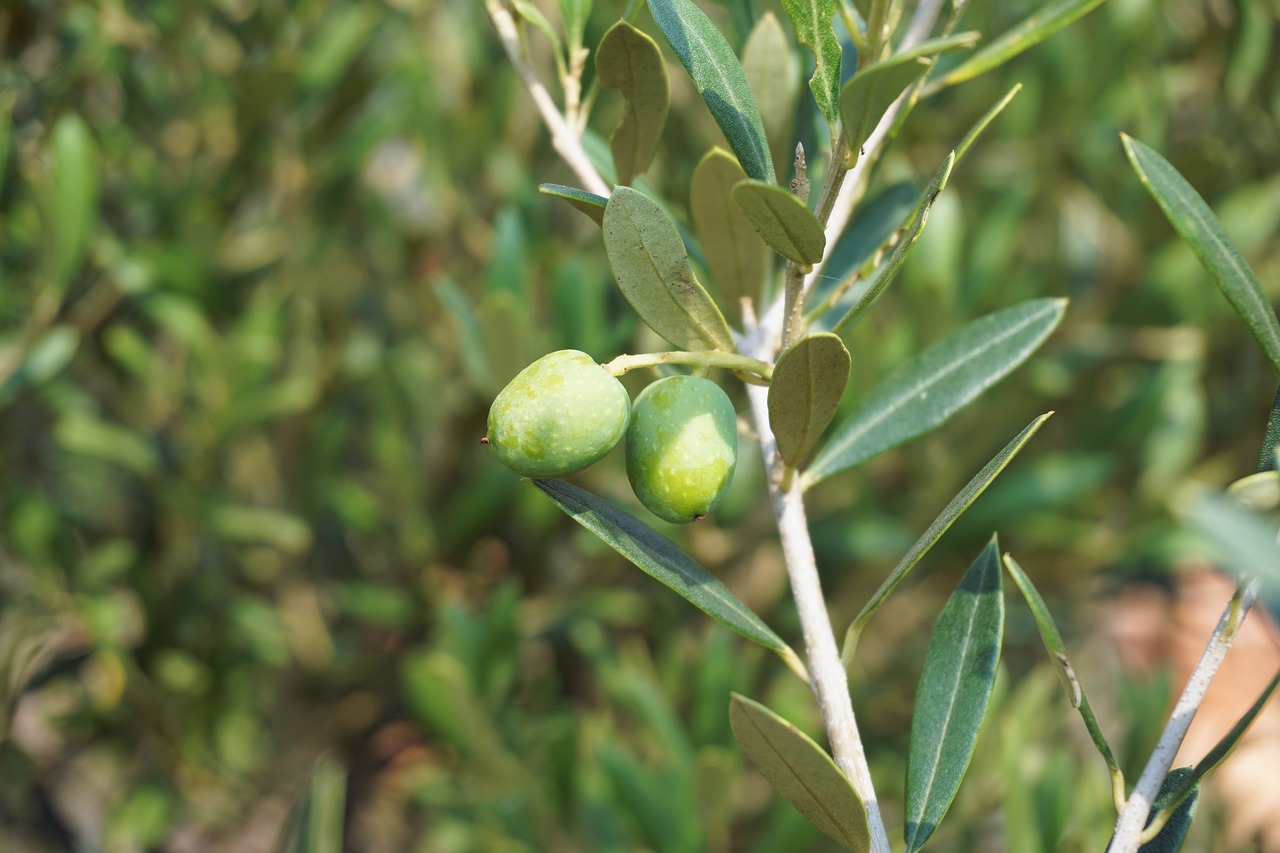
[[559, 415], [682, 447]]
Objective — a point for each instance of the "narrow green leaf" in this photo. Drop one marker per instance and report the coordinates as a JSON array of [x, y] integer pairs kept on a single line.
[[867, 95], [906, 243], [953, 510], [1035, 29], [630, 61], [805, 391], [927, 390], [801, 771], [772, 70], [659, 558], [75, 195], [1192, 218], [575, 14], [812, 22], [1052, 640], [651, 266], [719, 79], [988, 117], [1174, 832], [955, 687], [589, 203], [782, 221], [315, 824], [736, 255]]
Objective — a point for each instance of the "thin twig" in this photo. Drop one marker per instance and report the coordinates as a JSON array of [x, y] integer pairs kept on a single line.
[[827, 675], [567, 141], [1129, 825]]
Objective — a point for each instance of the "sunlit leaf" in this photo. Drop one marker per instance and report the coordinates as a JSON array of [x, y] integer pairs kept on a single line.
[[1193, 219], [630, 61], [805, 392], [905, 244], [953, 510], [76, 182], [1026, 35], [782, 221], [955, 687], [659, 558], [735, 254], [928, 389], [812, 22], [867, 95], [801, 771], [718, 76], [651, 266]]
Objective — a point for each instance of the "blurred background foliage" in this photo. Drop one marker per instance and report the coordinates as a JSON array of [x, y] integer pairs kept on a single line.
[[262, 266]]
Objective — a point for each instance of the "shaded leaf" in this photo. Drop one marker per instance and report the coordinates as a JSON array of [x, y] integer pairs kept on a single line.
[[719, 79], [315, 824], [812, 22], [589, 203], [736, 255], [805, 391], [801, 771], [1035, 29], [772, 70], [659, 558], [955, 687], [1052, 640], [1174, 832], [782, 221], [630, 61], [531, 13], [928, 389], [953, 510], [1192, 218], [651, 266], [905, 244], [867, 95]]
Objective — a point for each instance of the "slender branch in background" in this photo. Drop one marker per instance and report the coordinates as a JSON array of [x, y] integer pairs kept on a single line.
[[567, 141], [1129, 825], [827, 675]]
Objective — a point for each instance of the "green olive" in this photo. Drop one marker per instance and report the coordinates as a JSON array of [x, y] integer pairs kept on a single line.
[[559, 415], [682, 447]]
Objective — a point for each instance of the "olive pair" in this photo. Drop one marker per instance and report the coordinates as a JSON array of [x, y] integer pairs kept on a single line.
[[564, 412]]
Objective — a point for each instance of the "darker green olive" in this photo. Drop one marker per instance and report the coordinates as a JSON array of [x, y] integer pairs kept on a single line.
[[559, 415], [682, 447]]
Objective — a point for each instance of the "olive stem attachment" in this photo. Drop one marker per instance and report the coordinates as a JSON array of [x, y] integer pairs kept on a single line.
[[699, 360]]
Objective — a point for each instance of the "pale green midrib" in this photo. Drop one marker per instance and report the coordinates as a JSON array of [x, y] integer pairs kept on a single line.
[[833, 449], [946, 726]]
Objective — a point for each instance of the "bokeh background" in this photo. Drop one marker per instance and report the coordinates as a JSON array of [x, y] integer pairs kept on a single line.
[[264, 264]]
